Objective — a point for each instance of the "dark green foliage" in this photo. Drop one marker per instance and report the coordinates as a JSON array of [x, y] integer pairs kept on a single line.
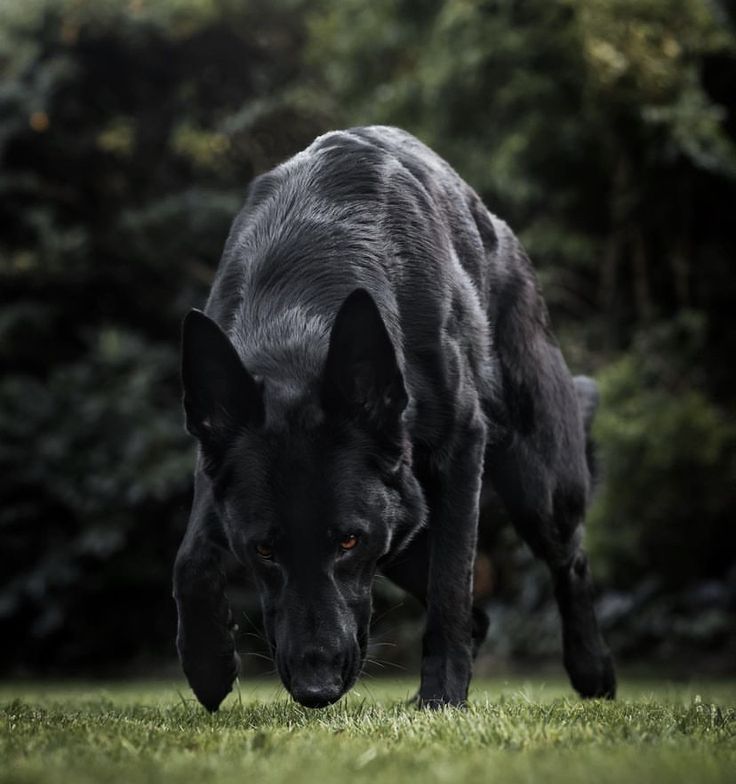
[[666, 506], [128, 135], [602, 130], [587, 125], [92, 512]]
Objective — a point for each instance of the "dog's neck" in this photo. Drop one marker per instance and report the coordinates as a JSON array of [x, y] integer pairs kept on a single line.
[[287, 345]]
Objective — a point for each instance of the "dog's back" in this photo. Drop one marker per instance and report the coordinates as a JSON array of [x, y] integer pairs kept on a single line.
[[375, 208]]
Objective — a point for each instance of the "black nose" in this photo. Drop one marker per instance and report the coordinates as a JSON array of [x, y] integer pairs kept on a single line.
[[316, 695]]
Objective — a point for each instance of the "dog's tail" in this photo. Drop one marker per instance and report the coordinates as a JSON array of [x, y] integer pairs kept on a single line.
[[587, 392]]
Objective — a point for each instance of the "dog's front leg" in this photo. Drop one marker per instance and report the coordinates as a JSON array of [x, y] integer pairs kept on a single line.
[[453, 492], [204, 638]]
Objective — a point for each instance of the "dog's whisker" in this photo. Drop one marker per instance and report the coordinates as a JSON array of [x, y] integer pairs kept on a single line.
[[257, 656], [385, 613], [385, 632], [383, 664], [253, 634], [256, 629]]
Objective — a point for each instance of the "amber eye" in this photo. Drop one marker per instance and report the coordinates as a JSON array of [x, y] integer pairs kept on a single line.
[[264, 551], [349, 542]]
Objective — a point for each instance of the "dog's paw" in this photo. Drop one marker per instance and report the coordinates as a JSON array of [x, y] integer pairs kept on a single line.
[[445, 679], [593, 677], [211, 684], [434, 696], [435, 702]]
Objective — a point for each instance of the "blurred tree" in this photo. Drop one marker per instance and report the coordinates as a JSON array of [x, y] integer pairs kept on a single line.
[[128, 134], [602, 130], [587, 125], [665, 509]]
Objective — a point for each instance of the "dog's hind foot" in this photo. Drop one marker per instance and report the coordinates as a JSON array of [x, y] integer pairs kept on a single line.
[[592, 676]]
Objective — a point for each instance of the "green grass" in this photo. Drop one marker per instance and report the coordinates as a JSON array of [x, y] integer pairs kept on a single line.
[[512, 732]]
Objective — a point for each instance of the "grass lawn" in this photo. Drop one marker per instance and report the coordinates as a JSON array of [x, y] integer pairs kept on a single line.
[[513, 731]]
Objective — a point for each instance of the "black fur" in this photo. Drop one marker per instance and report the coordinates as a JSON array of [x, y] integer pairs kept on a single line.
[[375, 348]]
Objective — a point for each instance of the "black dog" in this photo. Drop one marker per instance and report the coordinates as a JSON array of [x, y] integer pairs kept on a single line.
[[375, 349]]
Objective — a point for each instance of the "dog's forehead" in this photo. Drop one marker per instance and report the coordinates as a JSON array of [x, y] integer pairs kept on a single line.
[[305, 478], [291, 409]]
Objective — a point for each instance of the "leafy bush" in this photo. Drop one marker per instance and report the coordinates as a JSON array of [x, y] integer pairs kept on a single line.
[[95, 467], [128, 135], [603, 130], [666, 505]]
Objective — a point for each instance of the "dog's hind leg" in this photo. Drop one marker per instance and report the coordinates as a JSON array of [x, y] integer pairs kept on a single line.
[[552, 529], [204, 638], [543, 477]]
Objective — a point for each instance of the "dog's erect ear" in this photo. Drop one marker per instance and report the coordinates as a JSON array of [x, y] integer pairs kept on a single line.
[[362, 377], [220, 395]]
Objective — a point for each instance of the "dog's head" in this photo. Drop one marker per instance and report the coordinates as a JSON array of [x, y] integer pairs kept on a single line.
[[313, 486]]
